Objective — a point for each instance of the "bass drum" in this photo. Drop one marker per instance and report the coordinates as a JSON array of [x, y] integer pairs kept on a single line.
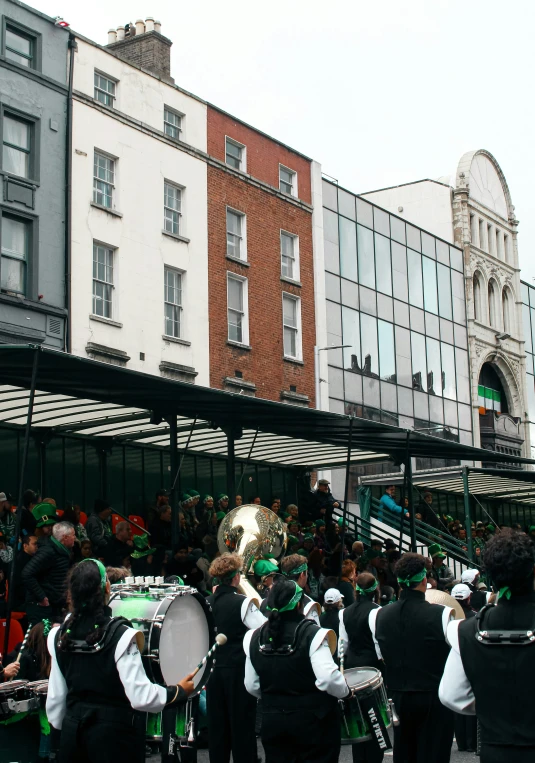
[[178, 626]]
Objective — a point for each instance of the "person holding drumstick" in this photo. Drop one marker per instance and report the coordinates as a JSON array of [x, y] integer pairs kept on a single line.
[[98, 690], [289, 665]]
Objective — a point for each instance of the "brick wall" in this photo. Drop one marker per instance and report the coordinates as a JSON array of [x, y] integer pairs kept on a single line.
[[263, 154], [151, 51], [266, 215]]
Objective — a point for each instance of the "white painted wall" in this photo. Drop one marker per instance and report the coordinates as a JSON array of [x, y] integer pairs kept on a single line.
[[425, 203], [143, 162]]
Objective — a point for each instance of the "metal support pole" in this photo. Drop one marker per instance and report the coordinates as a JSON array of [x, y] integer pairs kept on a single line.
[[175, 469], [103, 472], [346, 498], [467, 517], [247, 462], [231, 469], [22, 477]]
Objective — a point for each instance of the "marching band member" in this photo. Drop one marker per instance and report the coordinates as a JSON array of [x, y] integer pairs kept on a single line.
[[98, 689], [290, 667], [491, 667], [295, 567], [231, 710]]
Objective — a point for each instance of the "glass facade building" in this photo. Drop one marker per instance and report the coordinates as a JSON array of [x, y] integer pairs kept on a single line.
[[528, 317], [395, 297]]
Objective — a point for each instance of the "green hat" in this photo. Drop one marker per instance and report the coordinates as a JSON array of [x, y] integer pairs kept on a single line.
[[194, 493], [141, 542], [491, 528], [320, 523], [308, 536], [45, 514], [340, 521], [292, 540], [436, 551], [207, 498], [531, 528], [220, 515], [222, 497], [263, 568], [185, 497]]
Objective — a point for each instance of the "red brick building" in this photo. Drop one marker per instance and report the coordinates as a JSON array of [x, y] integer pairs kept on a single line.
[[260, 264]]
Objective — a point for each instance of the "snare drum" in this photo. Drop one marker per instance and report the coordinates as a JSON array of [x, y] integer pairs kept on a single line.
[[154, 729], [178, 626], [367, 709], [40, 691], [15, 698]]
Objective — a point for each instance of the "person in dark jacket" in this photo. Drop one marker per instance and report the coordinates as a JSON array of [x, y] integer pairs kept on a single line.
[[333, 602], [98, 527], [28, 550], [120, 546], [161, 528], [45, 575], [323, 503]]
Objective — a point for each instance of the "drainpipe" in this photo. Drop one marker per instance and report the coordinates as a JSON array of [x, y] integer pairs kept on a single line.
[[67, 345]]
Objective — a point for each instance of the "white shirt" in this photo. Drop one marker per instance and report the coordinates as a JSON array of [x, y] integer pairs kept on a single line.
[[310, 611], [328, 676], [142, 693], [455, 690], [251, 616]]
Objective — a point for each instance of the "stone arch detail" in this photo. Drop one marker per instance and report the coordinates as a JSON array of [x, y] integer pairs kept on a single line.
[[509, 375], [463, 168]]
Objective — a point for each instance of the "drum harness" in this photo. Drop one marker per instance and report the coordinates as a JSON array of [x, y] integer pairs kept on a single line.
[[501, 637], [81, 646]]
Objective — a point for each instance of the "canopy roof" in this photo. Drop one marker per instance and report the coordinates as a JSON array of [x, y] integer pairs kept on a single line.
[[494, 484], [90, 399]]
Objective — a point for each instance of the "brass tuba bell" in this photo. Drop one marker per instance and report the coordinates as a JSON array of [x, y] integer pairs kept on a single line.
[[251, 531]]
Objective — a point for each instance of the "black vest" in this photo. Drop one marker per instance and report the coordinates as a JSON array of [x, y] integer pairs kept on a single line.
[[361, 650], [412, 642], [287, 681], [478, 599], [226, 607], [92, 677], [502, 676]]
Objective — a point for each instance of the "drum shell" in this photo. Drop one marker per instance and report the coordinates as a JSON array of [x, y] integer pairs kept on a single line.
[[40, 690], [355, 726], [13, 691]]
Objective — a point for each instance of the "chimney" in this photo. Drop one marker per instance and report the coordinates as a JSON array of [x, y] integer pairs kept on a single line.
[[112, 36], [145, 46]]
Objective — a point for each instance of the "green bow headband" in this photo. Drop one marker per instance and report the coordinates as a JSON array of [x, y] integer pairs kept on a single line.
[[371, 589], [292, 604], [101, 569], [47, 627], [417, 578]]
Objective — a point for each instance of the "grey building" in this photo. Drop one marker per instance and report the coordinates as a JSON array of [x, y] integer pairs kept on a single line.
[[34, 107], [395, 298]]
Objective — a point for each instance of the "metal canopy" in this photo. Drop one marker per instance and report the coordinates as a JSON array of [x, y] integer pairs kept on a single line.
[[90, 399], [494, 484]]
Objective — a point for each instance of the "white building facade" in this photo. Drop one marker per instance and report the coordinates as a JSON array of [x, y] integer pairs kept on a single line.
[[139, 269], [477, 213]]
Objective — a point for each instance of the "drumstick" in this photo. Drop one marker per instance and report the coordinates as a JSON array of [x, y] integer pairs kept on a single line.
[[341, 655], [24, 640], [220, 639]]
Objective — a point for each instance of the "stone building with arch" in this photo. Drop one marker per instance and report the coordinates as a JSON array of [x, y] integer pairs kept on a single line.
[[473, 210]]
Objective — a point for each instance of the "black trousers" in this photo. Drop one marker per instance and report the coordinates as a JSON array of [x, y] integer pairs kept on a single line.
[[296, 737], [367, 752], [425, 731], [93, 736], [496, 753], [466, 731], [231, 714]]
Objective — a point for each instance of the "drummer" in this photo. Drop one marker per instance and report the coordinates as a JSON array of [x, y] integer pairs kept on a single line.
[[295, 567], [359, 647], [98, 689], [290, 667]]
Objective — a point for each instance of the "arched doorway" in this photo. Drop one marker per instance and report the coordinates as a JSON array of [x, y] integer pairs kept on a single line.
[[498, 429]]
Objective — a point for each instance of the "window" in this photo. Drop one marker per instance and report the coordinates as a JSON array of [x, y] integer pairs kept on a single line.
[[287, 181], [103, 180], [172, 123], [104, 89], [236, 235], [474, 231], [493, 311], [173, 302], [291, 320], [234, 154], [15, 237], [478, 308], [19, 47], [171, 208], [102, 280], [16, 152], [289, 256], [237, 309], [507, 304]]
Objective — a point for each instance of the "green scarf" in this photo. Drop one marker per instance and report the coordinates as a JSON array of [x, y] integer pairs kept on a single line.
[[60, 545]]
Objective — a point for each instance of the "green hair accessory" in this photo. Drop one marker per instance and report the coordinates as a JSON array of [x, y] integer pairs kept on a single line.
[[101, 569], [371, 589], [292, 604], [505, 593], [417, 578], [47, 627]]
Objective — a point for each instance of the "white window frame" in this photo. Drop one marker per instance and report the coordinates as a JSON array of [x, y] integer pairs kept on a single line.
[[180, 127], [179, 304], [294, 183], [112, 283], [243, 158], [106, 93], [245, 311], [297, 329], [179, 212], [242, 236], [295, 275], [16, 256], [111, 183]]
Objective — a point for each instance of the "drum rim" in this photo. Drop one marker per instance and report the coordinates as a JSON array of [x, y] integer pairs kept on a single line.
[[372, 683]]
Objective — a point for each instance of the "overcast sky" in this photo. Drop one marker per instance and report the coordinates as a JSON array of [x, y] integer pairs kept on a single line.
[[380, 92]]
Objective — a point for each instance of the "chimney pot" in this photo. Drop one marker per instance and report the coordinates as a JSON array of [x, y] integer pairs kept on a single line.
[[112, 36], [120, 33], [158, 26], [149, 24], [140, 26]]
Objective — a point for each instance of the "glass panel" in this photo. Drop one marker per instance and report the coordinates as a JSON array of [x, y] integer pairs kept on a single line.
[[364, 213], [332, 287], [525, 292], [419, 361], [382, 264], [17, 133], [527, 328], [348, 249], [459, 305], [434, 368], [413, 238], [346, 204], [18, 43], [381, 221], [397, 228], [387, 355], [350, 294], [235, 328], [463, 383], [233, 154], [366, 257], [369, 354], [14, 238], [290, 342], [368, 301], [444, 291], [432, 325], [16, 162], [456, 258], [235, 294], [414, 262], [399, 267], [351, 336], [287, 255], [428, 245], [12, 274], [289, 312], [330, 226], [448, 371], [443, 255], [329, 195], [430, 285]]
